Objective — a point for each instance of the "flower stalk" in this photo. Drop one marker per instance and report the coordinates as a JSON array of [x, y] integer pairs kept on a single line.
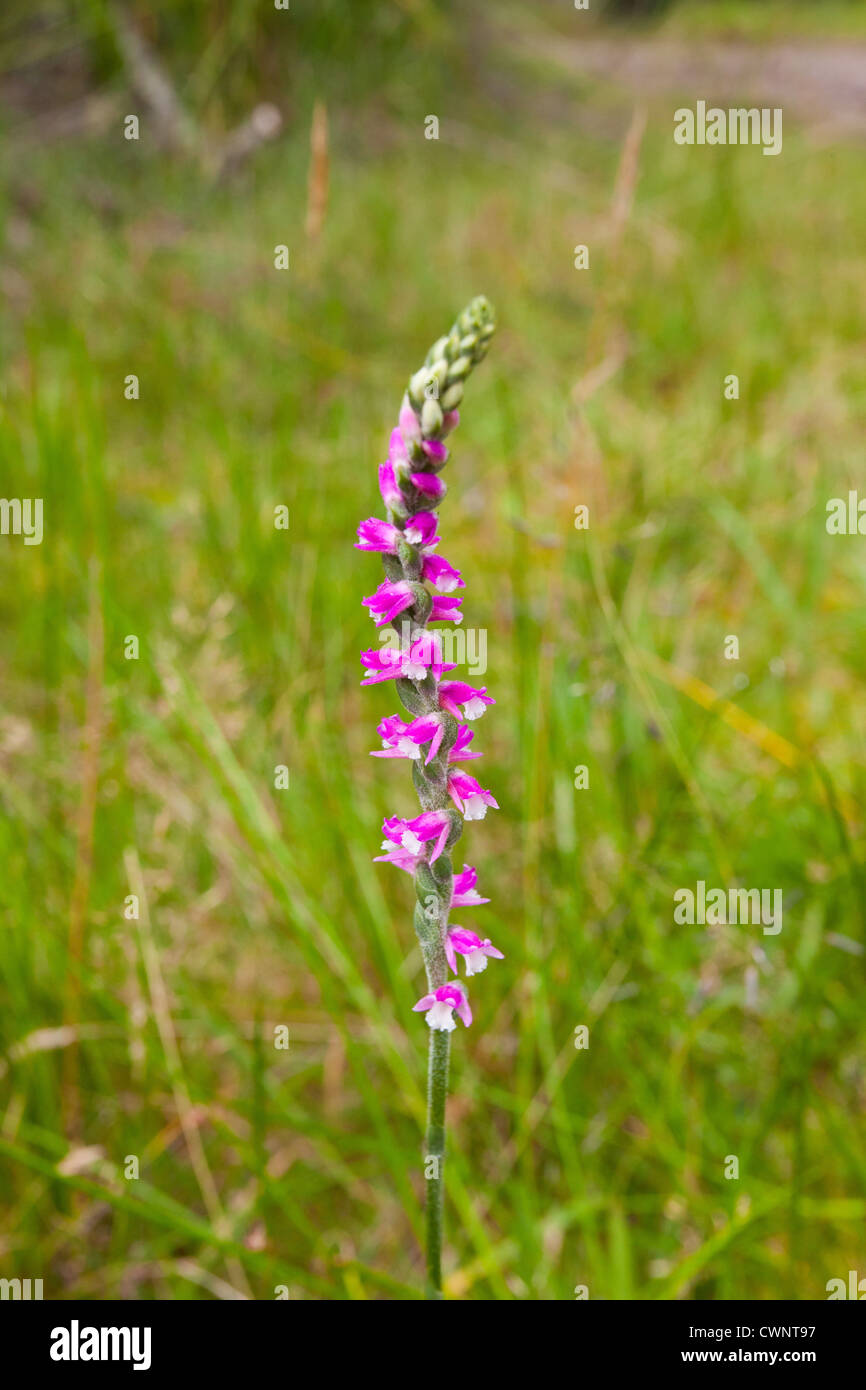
[[435, 737], [437, 1094]]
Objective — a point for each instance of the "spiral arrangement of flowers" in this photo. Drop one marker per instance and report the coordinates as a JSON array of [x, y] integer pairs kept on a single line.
[[436, 737]]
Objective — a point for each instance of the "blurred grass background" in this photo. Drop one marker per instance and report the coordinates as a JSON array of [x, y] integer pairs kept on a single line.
[[154, 1038]]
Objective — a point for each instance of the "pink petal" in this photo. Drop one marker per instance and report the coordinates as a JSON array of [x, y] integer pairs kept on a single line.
[[440, 843], [429, 484], [434, 746]]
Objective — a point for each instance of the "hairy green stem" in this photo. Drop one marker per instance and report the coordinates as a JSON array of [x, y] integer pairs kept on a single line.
[[437, 1093]]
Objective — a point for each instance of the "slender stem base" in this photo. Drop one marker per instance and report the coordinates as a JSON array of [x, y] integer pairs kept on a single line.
[[434, 1158]]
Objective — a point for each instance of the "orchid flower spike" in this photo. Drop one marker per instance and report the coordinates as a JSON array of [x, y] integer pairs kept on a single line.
[[434, 737]]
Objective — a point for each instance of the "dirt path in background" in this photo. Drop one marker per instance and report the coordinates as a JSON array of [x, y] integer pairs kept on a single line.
[[822, 83]]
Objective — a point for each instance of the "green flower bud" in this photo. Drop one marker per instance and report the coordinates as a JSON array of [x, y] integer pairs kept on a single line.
[[438, 349], [417, 457], [443, 871], [456, 828], [417, 384], [409, 697], [423, 603], [452, 397], [426, 885], [449, 737], [460, 369], [429, 783], [428, 687], [393, 566], [407, 562], [426, 929], [431, 418]]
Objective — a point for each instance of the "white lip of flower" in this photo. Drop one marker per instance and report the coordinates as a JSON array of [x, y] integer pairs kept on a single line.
[[408, 748], [409, 840], [441, 1015], [412, 534], [476, 961], [447, 584], [474, 808], [474, 708], [415, 670]]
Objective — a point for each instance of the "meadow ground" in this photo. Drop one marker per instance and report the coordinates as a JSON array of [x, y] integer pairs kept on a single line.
[[260, 908]]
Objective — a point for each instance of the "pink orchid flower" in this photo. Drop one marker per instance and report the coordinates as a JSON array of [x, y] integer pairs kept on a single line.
[[429, 484], [469, 796], [404, 837], [389, 487], [441, 1006], [469, 945], [435, 450], [377, 535], [389, 600], [389, 663], [453, 694], [465, 893], [459, 750], [439, 573], [408, 423], [398, 454], [403, 740], [421, 530], [446, 609]]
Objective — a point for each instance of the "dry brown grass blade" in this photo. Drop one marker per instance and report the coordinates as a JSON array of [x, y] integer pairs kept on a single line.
[[626, 179], [317, 182], [607, 341]]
